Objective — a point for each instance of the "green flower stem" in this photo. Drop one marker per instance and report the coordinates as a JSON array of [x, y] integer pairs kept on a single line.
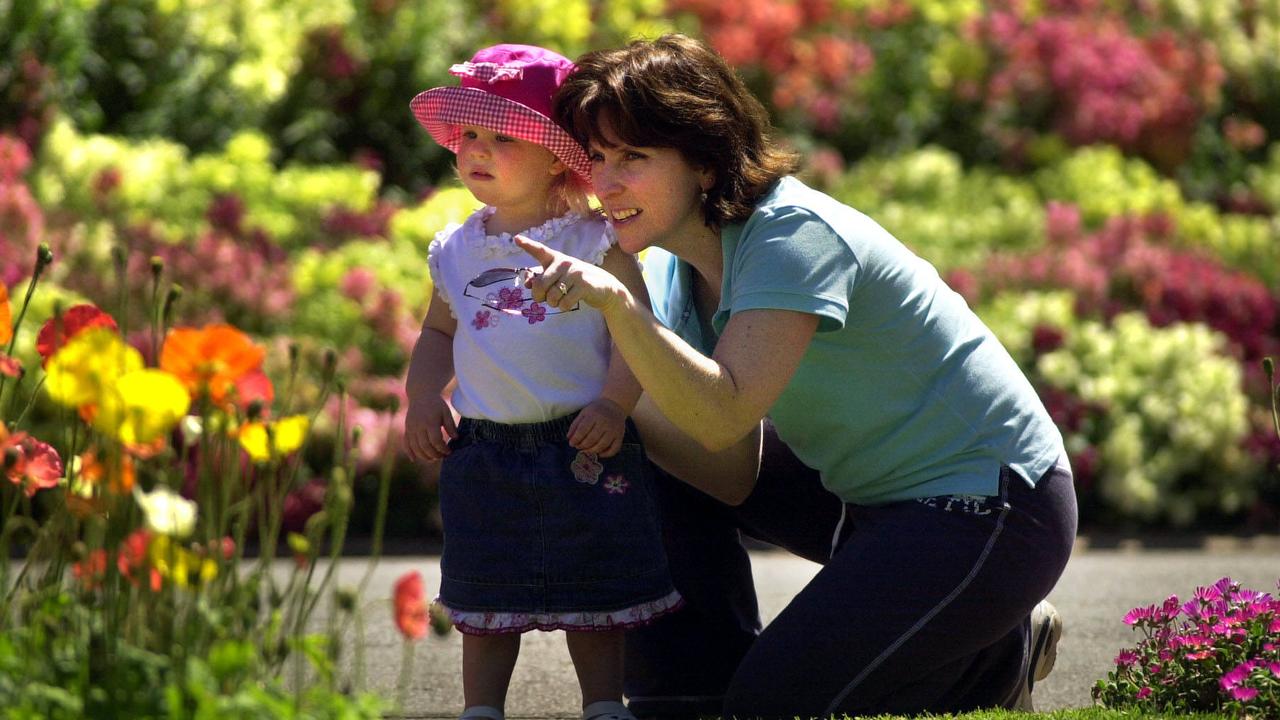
[[31, 400], [43, 258], [402, 684]]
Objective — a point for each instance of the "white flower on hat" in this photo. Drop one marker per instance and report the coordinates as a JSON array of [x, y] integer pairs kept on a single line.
[[167, 512]]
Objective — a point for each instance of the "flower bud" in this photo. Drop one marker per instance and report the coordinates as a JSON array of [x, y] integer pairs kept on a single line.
[[346, 599], [357, 432], [330, 363], [172, 297], [79, 551], [157, 267], [1269, 367], [44, 256]]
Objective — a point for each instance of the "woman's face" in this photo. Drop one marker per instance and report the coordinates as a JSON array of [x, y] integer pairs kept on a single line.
[[650, 194]]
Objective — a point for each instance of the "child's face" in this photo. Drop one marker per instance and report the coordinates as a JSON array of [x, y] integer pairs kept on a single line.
[[506, 172]]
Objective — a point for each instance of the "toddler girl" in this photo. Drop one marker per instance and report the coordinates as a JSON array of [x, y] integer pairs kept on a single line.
[[549, 518]]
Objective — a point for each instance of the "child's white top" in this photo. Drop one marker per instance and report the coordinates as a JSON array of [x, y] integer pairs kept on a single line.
[[516, 360]]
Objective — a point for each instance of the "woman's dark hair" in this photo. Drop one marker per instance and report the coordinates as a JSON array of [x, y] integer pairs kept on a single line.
[[676, 92]]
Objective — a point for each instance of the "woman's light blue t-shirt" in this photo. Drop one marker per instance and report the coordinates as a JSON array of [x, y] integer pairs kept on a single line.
[[903, 393]]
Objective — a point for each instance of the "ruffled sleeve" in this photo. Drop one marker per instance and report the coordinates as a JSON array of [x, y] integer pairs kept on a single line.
[[598, 237], [435, 254]]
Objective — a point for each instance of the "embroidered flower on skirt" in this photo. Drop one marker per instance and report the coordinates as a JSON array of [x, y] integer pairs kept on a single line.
[[586, 467], [616, 484]]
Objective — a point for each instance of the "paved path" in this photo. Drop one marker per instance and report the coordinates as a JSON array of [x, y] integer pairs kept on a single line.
[[1099, 586]]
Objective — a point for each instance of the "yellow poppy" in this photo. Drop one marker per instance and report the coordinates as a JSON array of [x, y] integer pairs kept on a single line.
[[286, 435], [179, 564], [90, 363], [142, 407]]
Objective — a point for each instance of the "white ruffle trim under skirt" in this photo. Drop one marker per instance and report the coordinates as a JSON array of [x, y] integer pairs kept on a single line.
[[486, 623]]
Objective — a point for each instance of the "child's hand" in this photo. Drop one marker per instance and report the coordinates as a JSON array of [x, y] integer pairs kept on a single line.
[[599, 428], [428, 427]]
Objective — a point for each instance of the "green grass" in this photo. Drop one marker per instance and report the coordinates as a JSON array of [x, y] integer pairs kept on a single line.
[[1070, 714]]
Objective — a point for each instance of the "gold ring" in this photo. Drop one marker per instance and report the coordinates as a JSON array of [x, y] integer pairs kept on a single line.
[[564, 289]]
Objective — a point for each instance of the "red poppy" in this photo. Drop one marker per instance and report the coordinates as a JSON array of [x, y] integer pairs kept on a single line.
[[410, 606], [91, 570], [133, 558], [255, 385], [57, 330]]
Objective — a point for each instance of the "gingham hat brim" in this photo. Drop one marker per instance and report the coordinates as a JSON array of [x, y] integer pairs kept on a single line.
[[443, 110]]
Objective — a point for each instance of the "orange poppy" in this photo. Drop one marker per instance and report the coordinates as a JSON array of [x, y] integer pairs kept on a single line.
[[210, 360], [8, 365], [57, 330], [410, 606], [119, 477], [6, 315]]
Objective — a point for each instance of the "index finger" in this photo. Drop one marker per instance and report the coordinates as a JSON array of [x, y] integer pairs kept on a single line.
[[543, 254]]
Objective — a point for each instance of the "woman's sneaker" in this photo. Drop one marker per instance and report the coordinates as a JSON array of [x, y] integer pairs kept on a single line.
[[1046, 630]]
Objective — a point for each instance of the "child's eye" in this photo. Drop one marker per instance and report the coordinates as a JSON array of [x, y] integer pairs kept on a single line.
[[633, 155], [595, 157], [504, 138], [469, 134]]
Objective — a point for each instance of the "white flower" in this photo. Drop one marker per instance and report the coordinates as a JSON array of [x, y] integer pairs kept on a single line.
[[167, 513]]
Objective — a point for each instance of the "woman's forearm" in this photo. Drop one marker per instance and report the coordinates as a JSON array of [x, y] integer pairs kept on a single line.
[[728, 475], [696, 393]]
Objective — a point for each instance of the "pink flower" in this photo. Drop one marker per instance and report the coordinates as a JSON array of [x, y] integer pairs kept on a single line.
[[1144, 693], [482, 320], [535, 313], [510, 298], [1126, 658], [357, 283], [1140, 615], [1243, 694], [29, 463]]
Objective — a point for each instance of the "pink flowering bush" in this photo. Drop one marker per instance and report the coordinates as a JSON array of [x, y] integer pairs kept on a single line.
[[1084, 74], [1217, 652]]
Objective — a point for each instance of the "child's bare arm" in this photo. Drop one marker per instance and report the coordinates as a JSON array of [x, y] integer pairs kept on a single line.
[[429, 422], [600, 426]]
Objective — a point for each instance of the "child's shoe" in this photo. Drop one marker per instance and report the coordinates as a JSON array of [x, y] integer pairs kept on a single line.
[[607, 710], [481, 712]]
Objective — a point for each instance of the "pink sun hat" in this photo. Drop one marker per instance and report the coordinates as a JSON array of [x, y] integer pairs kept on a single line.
[[507, 89]]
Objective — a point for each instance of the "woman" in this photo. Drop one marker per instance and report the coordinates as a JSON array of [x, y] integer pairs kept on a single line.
[[916, 462]]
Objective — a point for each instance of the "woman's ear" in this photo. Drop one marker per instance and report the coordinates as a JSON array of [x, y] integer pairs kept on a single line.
[[706, 179], [557, 167]]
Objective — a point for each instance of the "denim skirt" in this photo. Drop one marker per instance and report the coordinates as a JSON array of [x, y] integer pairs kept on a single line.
[[538, 535]]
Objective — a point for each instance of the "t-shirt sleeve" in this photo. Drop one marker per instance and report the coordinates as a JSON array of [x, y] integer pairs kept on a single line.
[[436, 253], [793, 260]]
